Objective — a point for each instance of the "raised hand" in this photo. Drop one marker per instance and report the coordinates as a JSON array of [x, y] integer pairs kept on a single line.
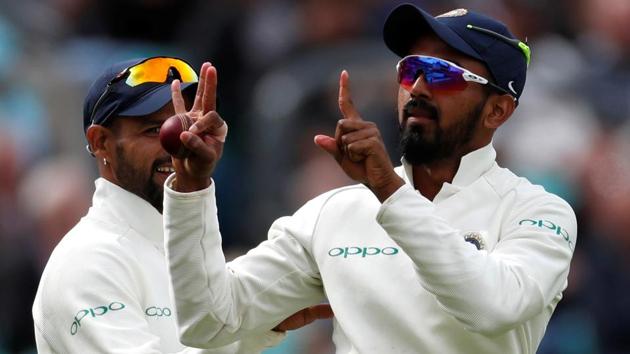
[[205, 138], [359, 149]]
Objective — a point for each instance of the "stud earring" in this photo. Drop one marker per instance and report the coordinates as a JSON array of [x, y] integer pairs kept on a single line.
[[104, 161]]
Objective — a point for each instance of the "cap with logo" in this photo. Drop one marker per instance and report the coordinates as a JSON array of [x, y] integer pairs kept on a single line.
[[117, 92], [474, 34]]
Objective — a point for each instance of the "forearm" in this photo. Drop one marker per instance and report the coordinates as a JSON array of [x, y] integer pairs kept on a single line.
[[487, 292], [191, 259], [218, 303]]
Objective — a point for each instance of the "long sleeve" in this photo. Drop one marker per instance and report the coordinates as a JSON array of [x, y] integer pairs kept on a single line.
[[217, 303], [95, 308], [489, 292]]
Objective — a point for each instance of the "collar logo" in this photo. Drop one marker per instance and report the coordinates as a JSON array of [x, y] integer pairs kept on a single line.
[[454, 13]]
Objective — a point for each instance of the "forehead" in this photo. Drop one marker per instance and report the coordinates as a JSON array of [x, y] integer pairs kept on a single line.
[[158, 116], [154, 118], [432, 45]]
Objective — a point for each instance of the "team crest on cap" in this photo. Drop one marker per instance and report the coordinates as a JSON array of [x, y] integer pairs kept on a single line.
[[476, 239], [454, 13]]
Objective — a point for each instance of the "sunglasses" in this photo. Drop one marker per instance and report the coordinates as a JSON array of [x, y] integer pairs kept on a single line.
[[158, 70], [517, 44], [438, 73]]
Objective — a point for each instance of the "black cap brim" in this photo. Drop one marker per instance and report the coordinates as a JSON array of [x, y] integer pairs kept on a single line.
[[406, 24], [153, 100]]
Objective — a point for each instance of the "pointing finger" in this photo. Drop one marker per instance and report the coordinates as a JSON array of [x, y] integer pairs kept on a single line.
[[345, 101]]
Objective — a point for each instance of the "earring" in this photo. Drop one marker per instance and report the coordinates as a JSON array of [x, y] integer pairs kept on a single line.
[[89, 150], [104, 161]]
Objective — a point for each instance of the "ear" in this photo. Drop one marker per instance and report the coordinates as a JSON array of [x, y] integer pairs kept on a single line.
[[499, 109], [100, 141]]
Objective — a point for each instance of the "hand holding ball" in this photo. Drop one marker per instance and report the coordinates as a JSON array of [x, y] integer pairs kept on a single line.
[[209, 126], [169, 135]]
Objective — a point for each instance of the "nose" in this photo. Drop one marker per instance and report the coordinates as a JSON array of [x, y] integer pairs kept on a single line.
[[420, 88]]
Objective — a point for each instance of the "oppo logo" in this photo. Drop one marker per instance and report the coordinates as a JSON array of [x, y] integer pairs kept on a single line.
[[362, 251], [546, 224], [157, 311], [93, 312]]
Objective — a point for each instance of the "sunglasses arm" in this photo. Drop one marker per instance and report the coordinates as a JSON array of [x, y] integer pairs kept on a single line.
[[468, 76]]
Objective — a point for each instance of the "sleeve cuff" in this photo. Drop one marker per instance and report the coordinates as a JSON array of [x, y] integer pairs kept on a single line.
[[402, 191], [168, 189]]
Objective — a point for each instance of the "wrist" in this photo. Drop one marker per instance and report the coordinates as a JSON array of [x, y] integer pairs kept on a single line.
[[385, 190], [187, 184]]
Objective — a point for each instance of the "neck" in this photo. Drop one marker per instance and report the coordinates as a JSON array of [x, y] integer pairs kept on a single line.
[[429, 178]]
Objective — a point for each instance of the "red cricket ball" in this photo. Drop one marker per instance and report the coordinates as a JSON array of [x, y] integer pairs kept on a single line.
[[169, 135]]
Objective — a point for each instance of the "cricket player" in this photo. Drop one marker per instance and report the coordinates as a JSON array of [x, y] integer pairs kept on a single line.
[[105, 288], [447, 253]]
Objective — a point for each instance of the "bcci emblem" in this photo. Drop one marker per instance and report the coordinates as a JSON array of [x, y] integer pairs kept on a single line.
[[454, 13], [476, 239]]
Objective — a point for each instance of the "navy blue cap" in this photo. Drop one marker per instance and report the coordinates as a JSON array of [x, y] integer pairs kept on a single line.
[[122, 99], [476, 35]]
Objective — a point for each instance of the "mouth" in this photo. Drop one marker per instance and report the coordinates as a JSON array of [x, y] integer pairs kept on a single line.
[[411, 120], [417, 112], [165, 169]]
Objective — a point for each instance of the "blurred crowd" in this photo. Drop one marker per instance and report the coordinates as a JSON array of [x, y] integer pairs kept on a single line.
[[278, 63]]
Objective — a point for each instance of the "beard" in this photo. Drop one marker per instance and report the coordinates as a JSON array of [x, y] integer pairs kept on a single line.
[[419, 148], [139, 183]]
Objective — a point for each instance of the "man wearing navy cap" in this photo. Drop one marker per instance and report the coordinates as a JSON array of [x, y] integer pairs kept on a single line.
[[105, 288], [448, 253]]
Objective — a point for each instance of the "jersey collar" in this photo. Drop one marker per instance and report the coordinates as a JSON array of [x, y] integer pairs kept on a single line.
[[472, 166], [119, 206]]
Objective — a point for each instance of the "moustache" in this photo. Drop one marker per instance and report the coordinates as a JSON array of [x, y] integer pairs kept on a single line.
[[420, 107]]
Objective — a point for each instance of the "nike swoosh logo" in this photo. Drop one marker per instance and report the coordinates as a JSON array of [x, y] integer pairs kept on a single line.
[[512, 88]]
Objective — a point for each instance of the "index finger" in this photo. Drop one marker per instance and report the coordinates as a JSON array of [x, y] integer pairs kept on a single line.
[[345, 102], [209, 100], [177, 98]]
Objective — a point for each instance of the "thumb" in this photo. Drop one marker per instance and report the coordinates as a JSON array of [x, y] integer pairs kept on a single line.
[[329, 145]]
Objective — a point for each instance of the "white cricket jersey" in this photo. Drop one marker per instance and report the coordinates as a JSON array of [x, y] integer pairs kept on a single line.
[[105, 288], [478, 270]]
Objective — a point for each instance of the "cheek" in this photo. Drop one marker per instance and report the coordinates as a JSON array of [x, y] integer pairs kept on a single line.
[[453, 108], [142, 154], [151, 151], [403, 98]]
